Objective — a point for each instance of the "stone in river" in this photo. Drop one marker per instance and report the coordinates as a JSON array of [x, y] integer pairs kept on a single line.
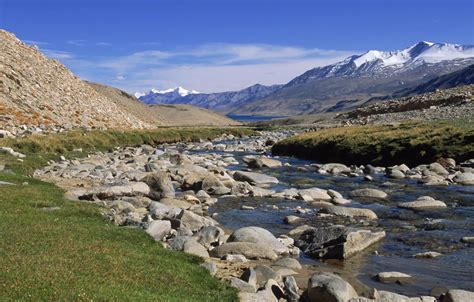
[[391, 277], [329, 287], [423, 202], [255, 178], [368, 193], [258, 235]]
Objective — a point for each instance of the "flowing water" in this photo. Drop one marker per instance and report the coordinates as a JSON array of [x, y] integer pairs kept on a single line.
[[408, 232]]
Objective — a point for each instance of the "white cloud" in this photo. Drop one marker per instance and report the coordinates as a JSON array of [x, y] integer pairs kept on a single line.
[[103, 44], [33, 42], [57, 54], [76, 42], [207, 68]]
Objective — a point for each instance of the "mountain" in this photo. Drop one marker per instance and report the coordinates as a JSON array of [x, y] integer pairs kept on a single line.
[[155, 96], [458, 78], [219, 102], [38, 92], [351, 82]]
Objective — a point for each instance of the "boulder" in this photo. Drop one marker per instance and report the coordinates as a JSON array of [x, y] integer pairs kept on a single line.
[[193, 247], [159, 229], [112, 191], [193, 222], [160, 185], [258, 235], [335, 168], [292, 219], [391, 277], [313, 194], [350, 212], [255, 178], [423, 202], [176, 203], [265, 273], [466, 178], [368, 193], [248, 249], [458, 295], [291, 288], [242, 286], [210, 236], [329, 287], [261, 161], [438, 169], [336, 242], [288, 262]]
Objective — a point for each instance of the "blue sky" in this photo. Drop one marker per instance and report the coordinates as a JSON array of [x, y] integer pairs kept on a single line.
[[224, 45]]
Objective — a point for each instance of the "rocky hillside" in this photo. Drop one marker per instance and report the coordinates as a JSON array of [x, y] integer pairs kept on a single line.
[[35, 90], [163, 115]]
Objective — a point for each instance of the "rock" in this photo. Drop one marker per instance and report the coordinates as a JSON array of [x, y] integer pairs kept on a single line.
[[389, 297], [288, 262], [329, 287], [160, 185], [261, 192], [210, 236], [296, 232], [314, 194], [275, 288], [467, 239], [236, 258], [434, 180], [423, 202], [250, 276], [211, 267], [447, 162], [466, 178], [336, 242], [5, 133], [334, 194], [260, 296], [247, 208], [255, 178], [261, 161], [429, 255], [291, 219], [242, 286], [193, 247], [291, 288], [159, 229], [458, 295], [340, 201], [176, 203], [335, 168], [350, 212], [265, 273], [11, 152], [111, 191], [248, 249], [211, 185], [193, 222], [391, 277], [368, 193], [394, 173], [438, 169], [258, 235]]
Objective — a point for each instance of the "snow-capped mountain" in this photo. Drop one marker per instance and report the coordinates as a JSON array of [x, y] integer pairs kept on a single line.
[[155, 96]]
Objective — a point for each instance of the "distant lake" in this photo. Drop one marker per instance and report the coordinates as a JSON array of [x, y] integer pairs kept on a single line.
[[252, 118]]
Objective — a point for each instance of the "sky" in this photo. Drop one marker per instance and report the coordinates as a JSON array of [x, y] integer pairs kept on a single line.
[[213, 46]]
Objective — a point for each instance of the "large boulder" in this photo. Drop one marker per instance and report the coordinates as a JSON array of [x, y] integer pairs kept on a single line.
[[111, 191], [160, 185], [248, 249], [336, 242], [259, 235], [466, 178], [458, 295], [329, 287], [261, 161], [255, 178], [194, 222]]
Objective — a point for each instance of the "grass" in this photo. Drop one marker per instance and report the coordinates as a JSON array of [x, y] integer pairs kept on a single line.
[[410, 143], [73, 254]]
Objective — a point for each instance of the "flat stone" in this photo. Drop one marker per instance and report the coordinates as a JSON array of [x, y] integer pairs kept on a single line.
[[291, 219], [195, 248], [255, 178], [248, 249], [428, 255], [391, 277], [424, 202], [350, 212], [368, 193], [458, 295]]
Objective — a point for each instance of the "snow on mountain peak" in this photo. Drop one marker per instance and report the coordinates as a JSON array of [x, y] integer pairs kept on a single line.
[[177, 91]]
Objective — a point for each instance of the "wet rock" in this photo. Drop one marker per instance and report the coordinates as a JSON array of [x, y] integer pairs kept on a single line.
[[242, 286], [434, 180], [350, 212], [255, 178], [391, 277], [248, 249], [291, 219], [423, 202], [394, 173], [466, 178], [160, 185], [467, 239], [428, 255], [288, 262], [438, 169], [159, 229], [313, 194], [368, 193], [336, 242], [258, 235], [329, 287], [291, 288], [248, 208], [334, 168], [458, 295]]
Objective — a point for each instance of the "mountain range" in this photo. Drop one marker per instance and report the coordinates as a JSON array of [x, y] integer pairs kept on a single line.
[[340, 86]]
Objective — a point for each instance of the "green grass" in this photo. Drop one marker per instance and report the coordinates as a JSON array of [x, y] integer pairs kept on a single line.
[[410, 143], [73, 254]]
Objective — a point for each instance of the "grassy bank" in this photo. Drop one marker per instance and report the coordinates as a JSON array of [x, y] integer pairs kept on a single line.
[[71, 253], [41, 148], [409, 143]]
